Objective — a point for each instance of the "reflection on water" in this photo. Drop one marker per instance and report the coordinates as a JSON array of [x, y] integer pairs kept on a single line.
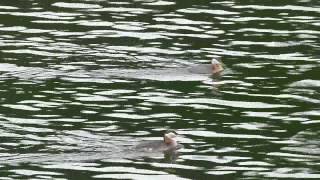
[[84, 81]]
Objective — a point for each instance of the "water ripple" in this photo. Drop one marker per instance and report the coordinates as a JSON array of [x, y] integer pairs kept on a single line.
[[76, 5]]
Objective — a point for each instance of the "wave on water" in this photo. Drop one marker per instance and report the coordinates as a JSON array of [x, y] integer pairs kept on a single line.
[[164, 74]]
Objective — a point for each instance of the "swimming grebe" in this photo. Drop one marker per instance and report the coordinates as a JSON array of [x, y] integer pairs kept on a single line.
[[168, 143]]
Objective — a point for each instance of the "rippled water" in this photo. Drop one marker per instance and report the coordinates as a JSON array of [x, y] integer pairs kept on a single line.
[[84, 81]]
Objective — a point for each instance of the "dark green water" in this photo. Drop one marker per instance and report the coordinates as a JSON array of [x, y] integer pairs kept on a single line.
[[83, 81]]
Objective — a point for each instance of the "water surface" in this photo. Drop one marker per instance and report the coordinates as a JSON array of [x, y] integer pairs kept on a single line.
[[84, 81]]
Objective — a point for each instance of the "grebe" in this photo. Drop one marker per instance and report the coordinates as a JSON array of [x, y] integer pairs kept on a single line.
[[169, 143]]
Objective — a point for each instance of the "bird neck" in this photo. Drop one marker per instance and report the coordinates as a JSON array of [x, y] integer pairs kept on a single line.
[[216, 69], [169, 141]]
